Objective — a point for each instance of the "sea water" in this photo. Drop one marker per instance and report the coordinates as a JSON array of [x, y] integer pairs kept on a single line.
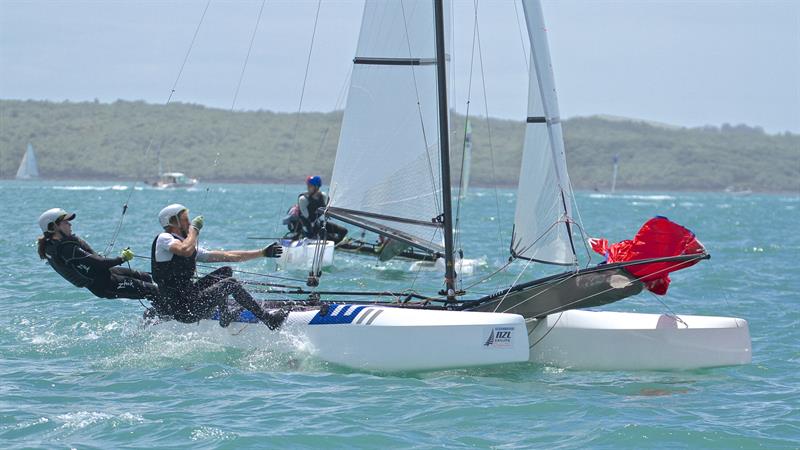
[[82, 372]]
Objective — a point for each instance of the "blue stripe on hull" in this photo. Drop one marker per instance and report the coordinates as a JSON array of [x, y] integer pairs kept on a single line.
[[337, 315]]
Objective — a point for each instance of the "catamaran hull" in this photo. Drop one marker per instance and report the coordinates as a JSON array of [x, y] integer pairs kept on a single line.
[[596, 340], [376, 338]]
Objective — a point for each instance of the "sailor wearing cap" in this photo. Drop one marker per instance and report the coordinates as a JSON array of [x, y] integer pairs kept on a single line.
[[174, 256], [76, 261]]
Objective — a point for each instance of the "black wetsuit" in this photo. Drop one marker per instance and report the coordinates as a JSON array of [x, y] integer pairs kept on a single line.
[[311, 225], [189, 301], [79, 264]]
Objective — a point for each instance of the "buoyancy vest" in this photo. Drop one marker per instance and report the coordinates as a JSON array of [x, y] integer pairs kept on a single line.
[[315, 202], [71, 270], [174, 277]]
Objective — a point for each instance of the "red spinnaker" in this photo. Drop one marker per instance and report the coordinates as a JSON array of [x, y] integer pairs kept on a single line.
[[659, 237]]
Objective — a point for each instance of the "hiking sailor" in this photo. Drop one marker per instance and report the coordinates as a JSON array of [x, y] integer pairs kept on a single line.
[[174, 254], [310, 203], [76, 261]]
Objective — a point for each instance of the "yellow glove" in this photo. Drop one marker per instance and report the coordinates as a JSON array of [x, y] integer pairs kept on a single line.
[[197, 222], [127, 254]]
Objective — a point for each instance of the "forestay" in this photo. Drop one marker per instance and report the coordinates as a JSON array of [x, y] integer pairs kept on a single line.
[[387, 172], [542, 222]]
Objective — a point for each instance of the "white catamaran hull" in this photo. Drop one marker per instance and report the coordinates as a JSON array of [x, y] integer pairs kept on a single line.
[[600, 340], [300, 254], [377, 338]]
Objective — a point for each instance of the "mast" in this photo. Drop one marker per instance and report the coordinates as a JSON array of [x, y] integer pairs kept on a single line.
[[444, 149]]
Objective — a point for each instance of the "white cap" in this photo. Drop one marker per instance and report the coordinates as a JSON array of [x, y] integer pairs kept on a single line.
[[51, 215], [169, 212]]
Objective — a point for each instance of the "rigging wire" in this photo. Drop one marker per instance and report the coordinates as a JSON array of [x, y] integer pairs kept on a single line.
[[464, 147], [437, 205], [521, 39], [293, 142], [115, 235], [207, 266], [235, 96], [489, 129]]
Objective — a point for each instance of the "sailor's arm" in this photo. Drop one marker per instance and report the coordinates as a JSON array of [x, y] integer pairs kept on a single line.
[[187, 246], [233, 255], [272, 251], [75, 254]]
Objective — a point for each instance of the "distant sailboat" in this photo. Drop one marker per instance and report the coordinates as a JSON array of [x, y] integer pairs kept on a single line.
[[27, 167], [614, 176]]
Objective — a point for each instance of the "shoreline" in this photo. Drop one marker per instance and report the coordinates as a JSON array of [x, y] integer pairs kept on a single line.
[[625, 190]]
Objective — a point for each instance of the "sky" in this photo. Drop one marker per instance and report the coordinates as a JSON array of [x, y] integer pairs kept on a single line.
[[686, 63]]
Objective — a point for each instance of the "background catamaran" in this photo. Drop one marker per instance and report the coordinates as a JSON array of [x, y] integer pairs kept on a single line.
[[392, 177]]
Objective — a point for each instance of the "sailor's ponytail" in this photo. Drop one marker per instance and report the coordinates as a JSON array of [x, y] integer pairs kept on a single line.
[[41, 243]]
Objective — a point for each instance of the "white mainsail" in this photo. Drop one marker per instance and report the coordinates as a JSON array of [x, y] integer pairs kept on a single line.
[[28, 168], [542, 222], [387, 170]]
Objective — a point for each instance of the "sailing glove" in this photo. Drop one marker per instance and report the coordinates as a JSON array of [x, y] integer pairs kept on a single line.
[[197, 222], [274, 250], [126, 255]]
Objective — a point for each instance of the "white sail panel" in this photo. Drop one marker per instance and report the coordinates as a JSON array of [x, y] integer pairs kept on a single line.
[[542, 222], [387, 161], [28, 167]]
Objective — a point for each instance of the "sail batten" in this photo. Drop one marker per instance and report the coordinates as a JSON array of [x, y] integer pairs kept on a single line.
[[542, 221]]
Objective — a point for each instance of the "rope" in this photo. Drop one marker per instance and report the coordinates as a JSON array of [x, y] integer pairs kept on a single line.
[[561, 314], [466, 122], [115, 235], [299, 106], [235, 96], [489, 129], [206, 266], [521, 39]]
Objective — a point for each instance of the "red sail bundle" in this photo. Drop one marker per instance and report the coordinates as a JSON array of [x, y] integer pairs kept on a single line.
[[658, 238]]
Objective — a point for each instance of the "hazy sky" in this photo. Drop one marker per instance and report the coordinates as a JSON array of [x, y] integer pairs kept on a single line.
[[687, 63]]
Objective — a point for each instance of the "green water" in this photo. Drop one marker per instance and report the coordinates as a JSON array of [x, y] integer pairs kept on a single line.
[[80, 372]]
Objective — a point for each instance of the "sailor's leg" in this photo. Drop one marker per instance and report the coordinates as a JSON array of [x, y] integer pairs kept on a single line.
[[230, 286], [130, 273], [213, 278], [121, 286]]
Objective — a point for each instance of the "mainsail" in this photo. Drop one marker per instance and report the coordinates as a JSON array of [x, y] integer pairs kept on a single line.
[[542, 222], [387, 173], [28, 168]]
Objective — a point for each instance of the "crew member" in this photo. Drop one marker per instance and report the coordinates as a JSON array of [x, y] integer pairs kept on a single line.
[[310, 202], [293, 223], [174, 255], [72, 258]]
